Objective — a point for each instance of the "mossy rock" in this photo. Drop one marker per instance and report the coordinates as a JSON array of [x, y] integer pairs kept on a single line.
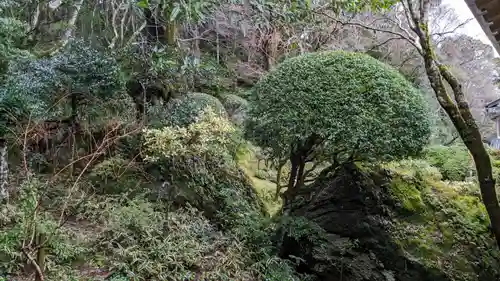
[[451, 233], [407, 194], [236, 107], [399, 225]]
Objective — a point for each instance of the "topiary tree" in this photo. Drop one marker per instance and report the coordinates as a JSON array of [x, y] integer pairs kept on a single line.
[[336, 106]]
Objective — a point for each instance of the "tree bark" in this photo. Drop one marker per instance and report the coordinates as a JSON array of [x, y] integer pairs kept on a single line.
[[459, 113], [40, 257], [71, 25], [4, 170]]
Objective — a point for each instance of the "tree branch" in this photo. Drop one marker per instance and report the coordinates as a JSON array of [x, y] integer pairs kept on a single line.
[[453, 30], [398, 35]]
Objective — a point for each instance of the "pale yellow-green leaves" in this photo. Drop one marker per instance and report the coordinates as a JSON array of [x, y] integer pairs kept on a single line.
[[211, 133]]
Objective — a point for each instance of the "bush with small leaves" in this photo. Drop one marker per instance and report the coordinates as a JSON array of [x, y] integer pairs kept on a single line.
[[146, 242], [336, 104], [210, 134], [454, 162], [142, 240], [12, 31], [20, 222], [415, 168], [185, 110], [35, 85], [349, 101], [116, 175], [199, 162]]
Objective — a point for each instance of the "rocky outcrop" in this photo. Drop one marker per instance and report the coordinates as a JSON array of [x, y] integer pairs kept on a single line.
[[388, 226]]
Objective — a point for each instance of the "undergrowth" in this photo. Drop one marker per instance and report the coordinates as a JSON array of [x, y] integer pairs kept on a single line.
[[186, 212]]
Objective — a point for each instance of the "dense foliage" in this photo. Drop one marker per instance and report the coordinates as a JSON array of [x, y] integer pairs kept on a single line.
[[454, 163], [79, 78], [351, 103], [140, 144], [184, 111]]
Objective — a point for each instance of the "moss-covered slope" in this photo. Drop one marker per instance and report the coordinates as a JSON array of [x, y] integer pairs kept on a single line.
[[399, 223]]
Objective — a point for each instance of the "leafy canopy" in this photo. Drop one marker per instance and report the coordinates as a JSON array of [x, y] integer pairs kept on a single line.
[[351, 102]]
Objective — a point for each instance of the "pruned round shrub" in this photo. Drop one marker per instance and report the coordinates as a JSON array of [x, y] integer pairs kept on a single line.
[[342, 103], [185, 110]]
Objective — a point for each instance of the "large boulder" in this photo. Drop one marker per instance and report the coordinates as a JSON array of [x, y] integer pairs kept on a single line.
[[390, 225]]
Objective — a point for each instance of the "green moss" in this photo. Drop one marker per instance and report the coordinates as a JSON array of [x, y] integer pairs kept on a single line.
[[265, 190], [262, 185], [447, 218], [407, 194], [473, 211]]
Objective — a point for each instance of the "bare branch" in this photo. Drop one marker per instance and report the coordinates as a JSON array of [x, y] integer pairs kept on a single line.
[[362, 25], [454, 29]]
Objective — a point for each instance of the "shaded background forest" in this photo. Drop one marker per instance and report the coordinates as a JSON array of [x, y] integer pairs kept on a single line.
[[224, 48]]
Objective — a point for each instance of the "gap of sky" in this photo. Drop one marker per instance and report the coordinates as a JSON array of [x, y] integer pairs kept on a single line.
[[473, 29]]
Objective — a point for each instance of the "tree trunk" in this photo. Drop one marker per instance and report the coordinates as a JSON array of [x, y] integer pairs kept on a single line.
[[281, 164], [41, 254], [73, 129], [171, 33], [68, 33], [4, 170], [461, 116]]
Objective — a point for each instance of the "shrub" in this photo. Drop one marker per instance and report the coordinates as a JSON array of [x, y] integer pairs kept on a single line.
[[208, 134], [147, 243], [116, 175], [20, 222], [34, 88], [236, 107], [415, 168], [199, 162], [454, 162], [184, 111], [340, 104], [141, 240], [12, 31]]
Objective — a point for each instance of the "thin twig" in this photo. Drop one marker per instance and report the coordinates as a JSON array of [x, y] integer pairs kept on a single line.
[[35, 264], [453, 30], [362, 25]]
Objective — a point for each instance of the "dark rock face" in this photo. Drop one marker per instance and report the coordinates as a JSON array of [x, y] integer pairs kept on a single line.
[[355, 215]]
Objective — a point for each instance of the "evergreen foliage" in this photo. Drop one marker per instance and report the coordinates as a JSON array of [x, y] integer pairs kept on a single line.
[[349, 102], [185, 110]]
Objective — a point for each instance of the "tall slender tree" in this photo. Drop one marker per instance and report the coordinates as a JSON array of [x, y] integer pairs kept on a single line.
[[414, 27]]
